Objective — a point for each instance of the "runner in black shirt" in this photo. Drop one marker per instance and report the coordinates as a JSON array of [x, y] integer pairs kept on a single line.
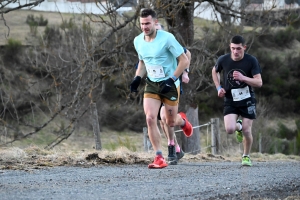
[[241, 72]]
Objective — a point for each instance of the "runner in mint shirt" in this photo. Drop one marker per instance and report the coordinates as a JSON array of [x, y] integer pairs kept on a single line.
[[158, 52]]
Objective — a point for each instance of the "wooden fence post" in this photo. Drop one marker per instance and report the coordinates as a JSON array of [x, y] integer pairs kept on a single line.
[[215, 136], [147, 143], [96, 127], [259, 143], [192, 144], [295, 146]]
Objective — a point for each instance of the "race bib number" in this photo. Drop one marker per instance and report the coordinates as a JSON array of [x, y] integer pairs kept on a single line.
[[155, 71], [240, 93]]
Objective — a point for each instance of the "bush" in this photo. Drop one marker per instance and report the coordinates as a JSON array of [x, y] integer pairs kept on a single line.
[[52, 35], [294, 20], [283, 140], [36, 21], [284, 37], [68, 24], [12, 50]]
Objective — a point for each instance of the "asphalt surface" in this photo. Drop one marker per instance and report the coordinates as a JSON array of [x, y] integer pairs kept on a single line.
[[201, 180]]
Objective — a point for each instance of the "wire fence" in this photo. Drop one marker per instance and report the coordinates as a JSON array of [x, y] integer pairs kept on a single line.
[[215, 137]]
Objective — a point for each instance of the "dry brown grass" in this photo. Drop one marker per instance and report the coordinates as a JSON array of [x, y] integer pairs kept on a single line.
[[19, 30], [34, 157], [78, 149]]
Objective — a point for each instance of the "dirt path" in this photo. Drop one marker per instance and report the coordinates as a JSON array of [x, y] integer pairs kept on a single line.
[[200, 180]]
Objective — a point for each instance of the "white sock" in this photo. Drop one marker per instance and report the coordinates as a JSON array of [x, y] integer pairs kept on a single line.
[[183, 123], [240, 126], [246, 155]]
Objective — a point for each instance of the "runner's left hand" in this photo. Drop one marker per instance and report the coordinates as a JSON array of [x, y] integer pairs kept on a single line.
[[185, 77]]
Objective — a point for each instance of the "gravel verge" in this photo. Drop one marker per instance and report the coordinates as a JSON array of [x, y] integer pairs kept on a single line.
[[200, 180]]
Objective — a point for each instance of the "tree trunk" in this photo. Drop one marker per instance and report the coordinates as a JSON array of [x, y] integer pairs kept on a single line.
[[179, 17], [192, 144], [185, 25]]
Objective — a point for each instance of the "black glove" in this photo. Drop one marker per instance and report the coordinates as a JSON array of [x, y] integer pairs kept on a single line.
[[166, 85], [135, 84]]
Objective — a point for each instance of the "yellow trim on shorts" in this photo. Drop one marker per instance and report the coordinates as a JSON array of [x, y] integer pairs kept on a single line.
[[164, 100]]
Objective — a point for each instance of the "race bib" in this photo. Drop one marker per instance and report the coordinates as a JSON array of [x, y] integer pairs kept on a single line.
[[155, 71], [240, 93]]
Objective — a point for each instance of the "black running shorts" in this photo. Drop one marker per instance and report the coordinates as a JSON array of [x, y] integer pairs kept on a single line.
[[248, 111], [152, 90]]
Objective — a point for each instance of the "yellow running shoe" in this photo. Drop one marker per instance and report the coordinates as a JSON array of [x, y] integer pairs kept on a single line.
[[246, 161]]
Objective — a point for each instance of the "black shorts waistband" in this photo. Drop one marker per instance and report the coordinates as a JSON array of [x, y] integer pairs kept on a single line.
[[148, 79]]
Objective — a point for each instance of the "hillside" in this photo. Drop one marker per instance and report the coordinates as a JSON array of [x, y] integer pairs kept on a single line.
[[18, 29], [28, 82]]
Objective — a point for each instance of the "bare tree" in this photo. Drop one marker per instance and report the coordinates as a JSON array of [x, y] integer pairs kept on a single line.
[[72, 64], [5, 5], [6, 8]]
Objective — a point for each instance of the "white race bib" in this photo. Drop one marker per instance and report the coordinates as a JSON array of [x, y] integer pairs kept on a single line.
[[155, 71], [240, 93]]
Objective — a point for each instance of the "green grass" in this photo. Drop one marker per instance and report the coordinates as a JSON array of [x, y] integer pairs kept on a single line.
[[40, 139], [121, 142]]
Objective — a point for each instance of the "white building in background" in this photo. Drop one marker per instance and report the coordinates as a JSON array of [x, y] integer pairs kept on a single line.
[[205, 10], [68, 6]]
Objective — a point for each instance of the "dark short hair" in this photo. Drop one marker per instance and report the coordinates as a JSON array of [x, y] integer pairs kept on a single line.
[[237, 39], [145, 12]]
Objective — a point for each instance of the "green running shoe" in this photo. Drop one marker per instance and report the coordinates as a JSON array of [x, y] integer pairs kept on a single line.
[[246, 161], [239, 134]]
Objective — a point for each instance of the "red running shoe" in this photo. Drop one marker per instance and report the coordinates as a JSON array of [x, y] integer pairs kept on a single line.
[[187, 128], [159, 162]]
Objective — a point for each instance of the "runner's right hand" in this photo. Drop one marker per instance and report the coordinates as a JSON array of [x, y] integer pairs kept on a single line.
[[135, 84], [166, 85]]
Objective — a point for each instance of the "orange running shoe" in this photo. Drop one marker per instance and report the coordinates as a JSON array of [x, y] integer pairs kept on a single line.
[[159, 162], [187, 128]]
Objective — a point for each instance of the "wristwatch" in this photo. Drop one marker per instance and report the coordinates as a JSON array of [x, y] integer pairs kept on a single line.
[[187, 70]]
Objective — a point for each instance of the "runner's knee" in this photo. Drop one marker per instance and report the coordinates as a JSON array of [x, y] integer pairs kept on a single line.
[[171, 123], [230, 129], [151, 120], [247, 132]]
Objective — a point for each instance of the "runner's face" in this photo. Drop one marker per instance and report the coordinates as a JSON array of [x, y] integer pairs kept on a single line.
[[237, 51], [148, 25]]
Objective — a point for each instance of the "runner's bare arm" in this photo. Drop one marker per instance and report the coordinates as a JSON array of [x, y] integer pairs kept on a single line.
[[141, 70], [185, 75], [183, 62], [216, 79], [256, 81]]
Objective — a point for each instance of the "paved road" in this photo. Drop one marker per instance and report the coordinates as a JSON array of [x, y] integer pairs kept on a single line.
[[205, 180]]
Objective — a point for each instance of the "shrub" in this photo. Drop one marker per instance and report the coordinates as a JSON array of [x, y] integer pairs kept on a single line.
[[294, 20], [68, 24], [283, 140], [284, 132], [12, 50], [298, 137], [284, 37], [36, 21], [52, 35]]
